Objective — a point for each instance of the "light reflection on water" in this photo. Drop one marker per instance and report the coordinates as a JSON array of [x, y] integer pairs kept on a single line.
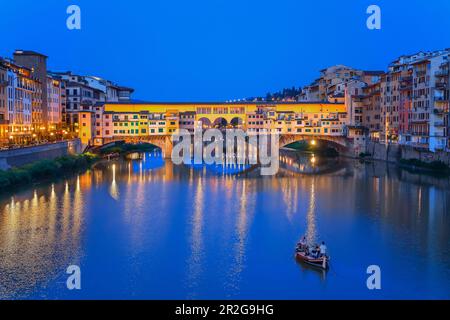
[[149, 229]]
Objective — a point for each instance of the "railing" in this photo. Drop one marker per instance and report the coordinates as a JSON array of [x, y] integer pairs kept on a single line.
[[441, 85]]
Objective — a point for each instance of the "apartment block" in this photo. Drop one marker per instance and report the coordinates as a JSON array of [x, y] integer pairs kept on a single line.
[[36, 62], [19, 92], [3, 105], [331, 85], [84, 92], [416, 100]]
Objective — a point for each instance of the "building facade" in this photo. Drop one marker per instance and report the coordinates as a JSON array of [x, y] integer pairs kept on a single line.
[[19, 92], [4, 122], [36, 62]]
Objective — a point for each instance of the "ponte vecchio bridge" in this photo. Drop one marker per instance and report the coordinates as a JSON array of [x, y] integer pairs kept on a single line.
[[155, 123]]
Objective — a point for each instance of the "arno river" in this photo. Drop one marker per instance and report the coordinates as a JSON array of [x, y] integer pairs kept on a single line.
[[146, 228]]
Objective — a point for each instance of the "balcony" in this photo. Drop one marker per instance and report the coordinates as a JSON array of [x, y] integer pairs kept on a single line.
[[441, 85], [442, 73], [439, 124], [3, 83]]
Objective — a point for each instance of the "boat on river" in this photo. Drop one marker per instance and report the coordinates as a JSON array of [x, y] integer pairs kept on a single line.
[[304, 255], [322, 262]]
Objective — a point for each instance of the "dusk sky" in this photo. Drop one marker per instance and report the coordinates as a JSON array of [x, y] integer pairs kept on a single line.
[[214, 50]]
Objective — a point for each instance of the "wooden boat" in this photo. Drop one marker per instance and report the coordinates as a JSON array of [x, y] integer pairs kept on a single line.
[[323, 262]]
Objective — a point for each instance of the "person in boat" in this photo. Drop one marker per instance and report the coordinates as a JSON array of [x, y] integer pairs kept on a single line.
[[322, 250], [303, 244], [316, 251]]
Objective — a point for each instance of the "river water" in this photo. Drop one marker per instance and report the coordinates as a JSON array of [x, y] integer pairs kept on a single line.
[[148, 229]]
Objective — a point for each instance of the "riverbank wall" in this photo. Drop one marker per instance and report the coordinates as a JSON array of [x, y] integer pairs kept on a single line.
[[20, 157], [394, 153]]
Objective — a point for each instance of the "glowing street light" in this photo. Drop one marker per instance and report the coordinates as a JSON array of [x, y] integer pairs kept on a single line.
[[313, 142]]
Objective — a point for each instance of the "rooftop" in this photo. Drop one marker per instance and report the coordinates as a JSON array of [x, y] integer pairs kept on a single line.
[[28, 53]]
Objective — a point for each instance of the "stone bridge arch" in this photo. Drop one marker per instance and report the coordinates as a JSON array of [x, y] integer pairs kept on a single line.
[[163, 142], [341, 144]]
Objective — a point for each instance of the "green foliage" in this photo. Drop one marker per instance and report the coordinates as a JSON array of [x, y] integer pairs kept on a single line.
[[44, 169], [286, 93]]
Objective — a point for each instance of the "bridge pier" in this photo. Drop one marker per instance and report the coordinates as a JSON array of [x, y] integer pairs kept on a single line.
[[167, 148]]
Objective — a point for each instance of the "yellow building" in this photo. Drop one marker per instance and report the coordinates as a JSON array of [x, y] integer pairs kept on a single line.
[[87, 127], [148, 119]]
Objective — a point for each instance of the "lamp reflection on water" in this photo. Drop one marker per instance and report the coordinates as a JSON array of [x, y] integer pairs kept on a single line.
[[113, 189], [311, 215], [195, 260]]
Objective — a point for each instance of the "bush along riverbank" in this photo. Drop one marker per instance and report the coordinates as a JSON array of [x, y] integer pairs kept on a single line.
[[45, 169], [125, 148], [435, 167]]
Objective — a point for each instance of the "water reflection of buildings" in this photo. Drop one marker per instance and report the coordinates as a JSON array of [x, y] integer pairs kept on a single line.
[[42, 229], [244, 190], [195, 260], [40, 234]]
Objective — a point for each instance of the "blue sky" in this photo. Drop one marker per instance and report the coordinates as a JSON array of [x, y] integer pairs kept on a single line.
[[214, 50]]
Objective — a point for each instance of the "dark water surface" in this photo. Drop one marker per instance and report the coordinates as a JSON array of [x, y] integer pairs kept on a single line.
[[146, 229]]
